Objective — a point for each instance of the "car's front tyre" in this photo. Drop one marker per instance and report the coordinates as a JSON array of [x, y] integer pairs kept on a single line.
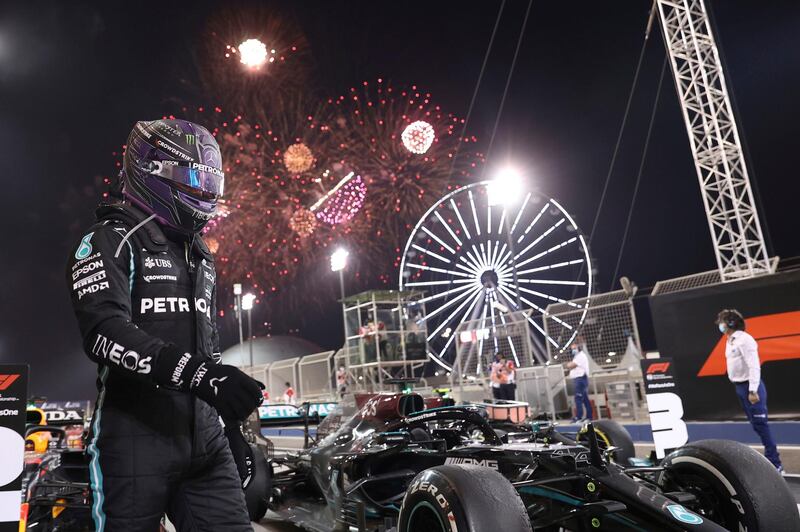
[[462, 498], [735, 486]]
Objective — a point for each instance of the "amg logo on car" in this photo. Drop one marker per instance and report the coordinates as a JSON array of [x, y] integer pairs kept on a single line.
[[115, 353], [471, 461]]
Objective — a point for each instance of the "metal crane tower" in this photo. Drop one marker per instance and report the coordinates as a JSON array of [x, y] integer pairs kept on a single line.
[[724, 183]]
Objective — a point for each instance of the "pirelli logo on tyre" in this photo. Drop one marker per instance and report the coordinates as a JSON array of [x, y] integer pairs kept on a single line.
[[441, 500]]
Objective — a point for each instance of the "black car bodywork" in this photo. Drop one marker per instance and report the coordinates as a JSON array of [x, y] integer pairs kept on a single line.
[[368, 453]]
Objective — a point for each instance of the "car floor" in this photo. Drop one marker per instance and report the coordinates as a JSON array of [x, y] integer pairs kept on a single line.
[[270, 524]]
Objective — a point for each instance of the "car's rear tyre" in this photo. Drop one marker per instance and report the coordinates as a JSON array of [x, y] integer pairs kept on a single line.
[[258, 491], [612, 434], [735, 486], [462, 498]]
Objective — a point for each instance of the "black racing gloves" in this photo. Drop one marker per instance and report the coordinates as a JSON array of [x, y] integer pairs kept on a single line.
[[233, 393]]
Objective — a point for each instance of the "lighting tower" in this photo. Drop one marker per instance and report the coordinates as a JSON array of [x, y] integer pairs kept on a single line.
[[708, 114]]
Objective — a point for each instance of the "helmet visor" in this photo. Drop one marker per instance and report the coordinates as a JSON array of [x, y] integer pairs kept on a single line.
[[203, 178]]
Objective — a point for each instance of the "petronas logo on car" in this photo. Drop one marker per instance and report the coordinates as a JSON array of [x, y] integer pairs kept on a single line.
[[683, 515]]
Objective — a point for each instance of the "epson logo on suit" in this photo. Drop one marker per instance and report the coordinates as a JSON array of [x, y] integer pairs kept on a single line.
[[117, 354], [86, 269], [163, 305]]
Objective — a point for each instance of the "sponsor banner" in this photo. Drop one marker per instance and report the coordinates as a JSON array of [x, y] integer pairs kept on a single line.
[[664, 405], [659, 375], [14, 393], [686, 332], [292, 412]]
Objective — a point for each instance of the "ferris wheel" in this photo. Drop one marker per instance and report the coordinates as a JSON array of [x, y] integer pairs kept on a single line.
[[463, 254]]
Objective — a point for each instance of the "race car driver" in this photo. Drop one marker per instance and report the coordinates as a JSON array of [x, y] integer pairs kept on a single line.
[[143, 288]]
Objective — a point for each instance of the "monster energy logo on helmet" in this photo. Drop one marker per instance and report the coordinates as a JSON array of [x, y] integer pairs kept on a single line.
[[190, 138]]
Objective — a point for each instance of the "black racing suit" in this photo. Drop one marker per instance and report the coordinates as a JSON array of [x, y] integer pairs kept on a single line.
[[152, 450]]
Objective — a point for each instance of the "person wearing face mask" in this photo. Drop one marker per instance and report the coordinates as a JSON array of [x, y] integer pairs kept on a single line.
[[579, 373], [744, 371]]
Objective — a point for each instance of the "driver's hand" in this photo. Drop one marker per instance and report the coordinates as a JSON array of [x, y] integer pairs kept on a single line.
[[233, 393], [753, 397]]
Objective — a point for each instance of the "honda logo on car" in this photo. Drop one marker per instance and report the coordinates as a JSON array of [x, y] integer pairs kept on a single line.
[[117, 354], [472, 461], [62, 415]]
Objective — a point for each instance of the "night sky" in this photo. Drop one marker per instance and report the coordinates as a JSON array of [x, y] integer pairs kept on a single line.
[[75, 76]]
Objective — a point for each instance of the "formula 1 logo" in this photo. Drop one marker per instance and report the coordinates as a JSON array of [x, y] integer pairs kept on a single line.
[[7, 380], [661, 367], [778, 337]]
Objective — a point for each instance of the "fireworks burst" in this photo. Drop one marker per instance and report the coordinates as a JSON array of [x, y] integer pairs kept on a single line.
[[298, 158], [418, 137], [344, 201], [254, 74], [303, 222], [368, 123]]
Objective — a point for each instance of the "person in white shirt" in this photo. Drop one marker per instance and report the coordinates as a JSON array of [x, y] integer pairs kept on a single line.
[[744, 371], [579, 373]]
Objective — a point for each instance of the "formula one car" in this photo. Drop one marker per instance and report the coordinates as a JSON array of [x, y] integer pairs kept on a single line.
[[385, 463], [56, 494]]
